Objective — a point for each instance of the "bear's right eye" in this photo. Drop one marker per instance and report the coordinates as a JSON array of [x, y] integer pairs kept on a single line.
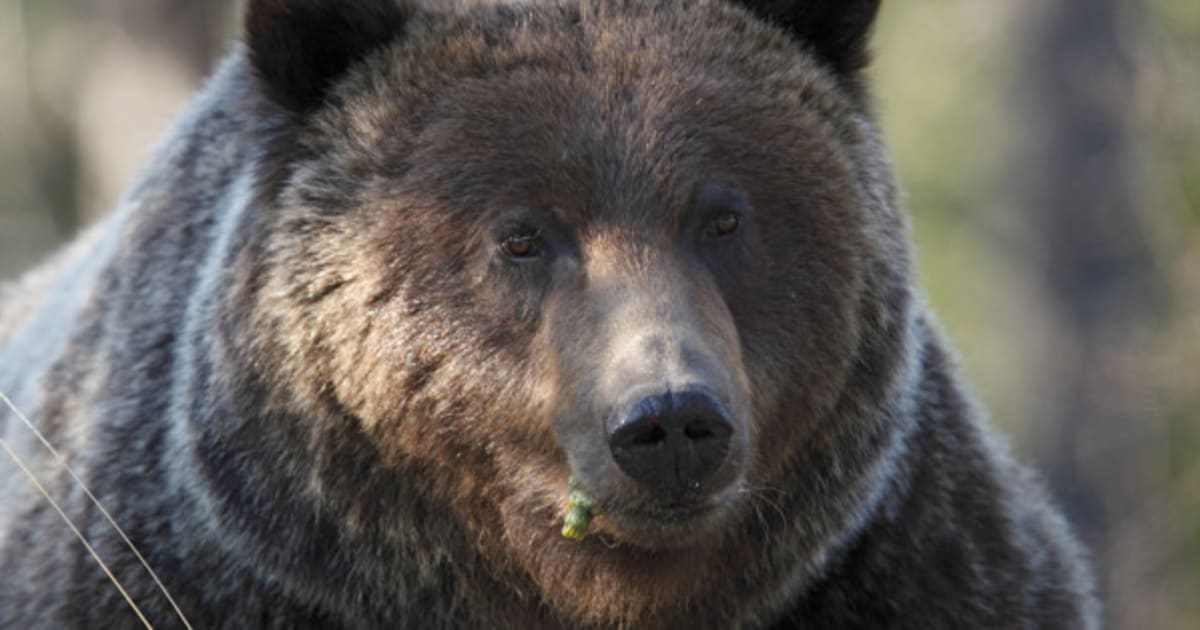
[[726, 224], [523, 245]]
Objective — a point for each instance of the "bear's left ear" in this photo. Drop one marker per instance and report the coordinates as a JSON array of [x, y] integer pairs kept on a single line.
[[299, 47], [835, 30]]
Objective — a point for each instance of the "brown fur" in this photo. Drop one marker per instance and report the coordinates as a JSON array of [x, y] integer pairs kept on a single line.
[[296, 368]]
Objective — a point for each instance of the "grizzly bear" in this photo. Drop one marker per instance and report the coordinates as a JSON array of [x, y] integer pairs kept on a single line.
[[410, 284]]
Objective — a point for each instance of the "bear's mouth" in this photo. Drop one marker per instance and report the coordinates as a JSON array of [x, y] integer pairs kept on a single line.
[[654, 526], [682, 512]]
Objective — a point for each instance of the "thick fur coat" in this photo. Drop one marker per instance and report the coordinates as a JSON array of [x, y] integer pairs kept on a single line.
[[394, 277]]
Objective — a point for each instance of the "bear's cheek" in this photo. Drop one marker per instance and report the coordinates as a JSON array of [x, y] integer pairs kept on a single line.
[[800, 339], [791, 283]]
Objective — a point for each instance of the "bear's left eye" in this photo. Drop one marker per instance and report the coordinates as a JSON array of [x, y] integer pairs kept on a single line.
[[725, 224], [723, 207], [522, 245]]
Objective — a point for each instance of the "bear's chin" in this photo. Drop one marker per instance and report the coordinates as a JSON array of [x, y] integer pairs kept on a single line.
[[631, 572]]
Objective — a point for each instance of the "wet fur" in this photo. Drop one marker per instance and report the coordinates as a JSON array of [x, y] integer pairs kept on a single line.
[[286, 368]]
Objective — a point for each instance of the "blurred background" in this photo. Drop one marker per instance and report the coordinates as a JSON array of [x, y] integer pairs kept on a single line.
[[1050, 150]]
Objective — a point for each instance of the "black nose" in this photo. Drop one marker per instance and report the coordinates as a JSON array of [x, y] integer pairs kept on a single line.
[[671, 442]]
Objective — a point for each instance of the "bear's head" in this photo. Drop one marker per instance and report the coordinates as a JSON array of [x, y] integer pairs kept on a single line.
[[648, 245]]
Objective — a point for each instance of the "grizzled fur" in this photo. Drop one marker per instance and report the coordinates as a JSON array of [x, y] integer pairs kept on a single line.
[[297, 367]]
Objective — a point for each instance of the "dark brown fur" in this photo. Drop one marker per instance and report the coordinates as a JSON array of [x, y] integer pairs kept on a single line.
[[293, 365]]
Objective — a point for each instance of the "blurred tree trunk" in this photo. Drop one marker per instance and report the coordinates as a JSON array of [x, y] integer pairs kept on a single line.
[[1074, 172], [194, 32], [69, 164]]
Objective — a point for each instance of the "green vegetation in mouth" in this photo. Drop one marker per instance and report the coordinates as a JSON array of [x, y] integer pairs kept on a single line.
[[580, 507]]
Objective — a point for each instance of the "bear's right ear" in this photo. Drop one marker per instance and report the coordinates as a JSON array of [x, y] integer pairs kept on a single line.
[[299, 48], [836, 31]]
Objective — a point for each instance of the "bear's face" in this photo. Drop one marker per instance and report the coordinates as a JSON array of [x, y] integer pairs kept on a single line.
[[643, 247]]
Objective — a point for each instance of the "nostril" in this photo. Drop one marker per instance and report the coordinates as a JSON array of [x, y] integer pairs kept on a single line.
[[654, 434], [699, 430]]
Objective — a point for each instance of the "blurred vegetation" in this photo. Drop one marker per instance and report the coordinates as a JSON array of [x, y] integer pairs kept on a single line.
[[1051, 154], [1050, 150]]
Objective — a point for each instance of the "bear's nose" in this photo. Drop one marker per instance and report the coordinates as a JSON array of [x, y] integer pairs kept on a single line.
[[671, 442]]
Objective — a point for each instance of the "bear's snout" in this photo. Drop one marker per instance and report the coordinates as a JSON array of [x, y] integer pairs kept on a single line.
[[671, 442], [658, 426]]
